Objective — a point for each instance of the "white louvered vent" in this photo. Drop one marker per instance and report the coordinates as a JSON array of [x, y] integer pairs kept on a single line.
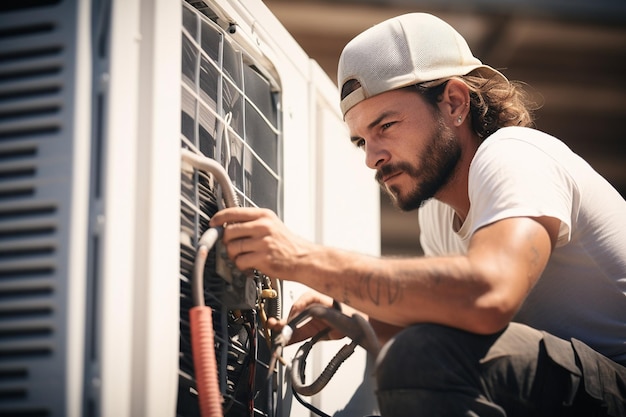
[[34, 185]]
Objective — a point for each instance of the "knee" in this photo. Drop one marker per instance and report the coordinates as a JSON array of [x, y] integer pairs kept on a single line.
[[427, 355]]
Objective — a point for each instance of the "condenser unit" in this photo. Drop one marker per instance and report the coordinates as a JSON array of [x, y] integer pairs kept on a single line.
[[100, 216]]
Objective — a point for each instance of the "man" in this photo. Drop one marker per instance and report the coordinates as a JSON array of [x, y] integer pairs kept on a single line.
[[519, 307]]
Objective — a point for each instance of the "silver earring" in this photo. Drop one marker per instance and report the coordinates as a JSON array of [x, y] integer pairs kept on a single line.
[[459, 119]]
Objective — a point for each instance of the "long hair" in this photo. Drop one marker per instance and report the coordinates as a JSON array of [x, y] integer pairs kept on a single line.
[[494, 102]]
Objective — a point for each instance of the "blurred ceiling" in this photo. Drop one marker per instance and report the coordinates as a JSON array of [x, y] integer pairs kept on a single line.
[[571, 52]]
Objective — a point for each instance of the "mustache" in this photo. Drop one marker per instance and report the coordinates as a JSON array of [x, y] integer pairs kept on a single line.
[[389, 169]]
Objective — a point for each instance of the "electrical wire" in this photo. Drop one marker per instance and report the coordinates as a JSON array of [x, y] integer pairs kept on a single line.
[[310, 406], [252, 354]]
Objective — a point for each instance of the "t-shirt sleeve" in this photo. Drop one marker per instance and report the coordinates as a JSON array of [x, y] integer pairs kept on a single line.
[[514, 178]]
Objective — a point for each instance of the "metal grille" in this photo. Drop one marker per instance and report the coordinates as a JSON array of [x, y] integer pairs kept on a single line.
[[229, 113]]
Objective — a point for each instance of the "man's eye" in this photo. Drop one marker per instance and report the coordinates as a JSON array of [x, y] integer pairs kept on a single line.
[[360, 143], [387, 125]]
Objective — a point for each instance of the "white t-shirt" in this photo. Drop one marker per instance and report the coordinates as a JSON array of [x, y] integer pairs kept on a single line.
[[523, 172]]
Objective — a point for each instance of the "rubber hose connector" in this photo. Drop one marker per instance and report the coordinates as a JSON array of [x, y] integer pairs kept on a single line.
[[205, 363]]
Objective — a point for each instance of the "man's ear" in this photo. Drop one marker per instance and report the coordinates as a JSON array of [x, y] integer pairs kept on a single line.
[[455, 101]]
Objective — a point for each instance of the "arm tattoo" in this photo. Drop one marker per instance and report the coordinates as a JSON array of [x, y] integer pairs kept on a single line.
[[379, 290]]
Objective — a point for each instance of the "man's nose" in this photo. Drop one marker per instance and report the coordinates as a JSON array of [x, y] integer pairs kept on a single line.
[[375, 155]]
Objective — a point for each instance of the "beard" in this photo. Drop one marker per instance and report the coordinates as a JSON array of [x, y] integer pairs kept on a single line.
[[435, 169]]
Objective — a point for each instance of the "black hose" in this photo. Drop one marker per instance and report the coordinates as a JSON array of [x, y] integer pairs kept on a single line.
[[299, 363], [355, 327]]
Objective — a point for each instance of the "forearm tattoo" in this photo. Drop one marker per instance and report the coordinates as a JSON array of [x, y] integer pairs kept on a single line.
[[379, 290]]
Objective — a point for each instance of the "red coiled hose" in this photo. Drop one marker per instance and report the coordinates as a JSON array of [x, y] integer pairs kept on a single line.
[[205, 363], [202, 337]]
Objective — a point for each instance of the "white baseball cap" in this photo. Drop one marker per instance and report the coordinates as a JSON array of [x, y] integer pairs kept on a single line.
[[405, 50]]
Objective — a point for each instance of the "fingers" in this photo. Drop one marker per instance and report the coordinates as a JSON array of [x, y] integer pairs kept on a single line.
[[308, 298], [256, 238], [275, 324], [308, 328], [242, 226], [241, 230], [234, 215]]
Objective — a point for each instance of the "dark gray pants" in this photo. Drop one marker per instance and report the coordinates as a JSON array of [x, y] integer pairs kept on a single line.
[[431, 370]]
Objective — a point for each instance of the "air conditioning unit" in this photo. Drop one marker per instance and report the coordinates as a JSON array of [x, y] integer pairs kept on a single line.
[[100, 217]]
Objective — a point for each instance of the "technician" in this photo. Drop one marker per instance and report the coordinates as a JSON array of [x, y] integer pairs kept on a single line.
[[519, 306]]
